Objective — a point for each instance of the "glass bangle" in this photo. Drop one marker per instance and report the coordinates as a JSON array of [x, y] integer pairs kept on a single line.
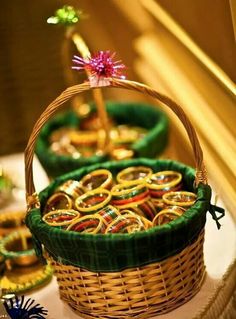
[[182, 198], [147, 223], [137, 174], [158, 193], [61, 217], [71, 188], [92, 224], [126, 223], [109, 213], [128, 194], [164, 179], [92, 201], [158, 204], [58, 201], [101, 178], [167, 215]]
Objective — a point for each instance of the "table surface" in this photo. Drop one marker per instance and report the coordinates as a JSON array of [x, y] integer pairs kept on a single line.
[[219, 251]]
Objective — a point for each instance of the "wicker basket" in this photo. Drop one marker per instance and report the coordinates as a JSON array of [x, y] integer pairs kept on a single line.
[[125, 275], [137, 114]]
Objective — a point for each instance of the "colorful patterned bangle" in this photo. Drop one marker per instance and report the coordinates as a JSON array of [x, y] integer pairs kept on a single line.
[[108, 213], [183, 199], [158, 204], [100, 178], [58, 201], [93, 201], [148, 209], [145, 209], [164, 179], [92, 224], [129, 194], [137, 174], [61, 217], [71, 188], [147, 223], [126, 223], [167, 215], [158, 193]]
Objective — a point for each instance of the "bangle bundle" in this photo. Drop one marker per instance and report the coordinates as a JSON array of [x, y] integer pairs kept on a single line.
[[139, 200]]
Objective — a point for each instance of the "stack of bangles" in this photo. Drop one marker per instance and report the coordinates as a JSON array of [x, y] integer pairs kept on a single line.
[[136, 200]]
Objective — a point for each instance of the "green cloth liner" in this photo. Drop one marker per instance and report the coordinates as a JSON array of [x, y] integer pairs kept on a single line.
[[137, 114], [115, 252]]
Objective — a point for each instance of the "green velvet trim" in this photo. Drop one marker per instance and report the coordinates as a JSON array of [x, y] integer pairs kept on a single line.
[[136, 114], [114, 252]]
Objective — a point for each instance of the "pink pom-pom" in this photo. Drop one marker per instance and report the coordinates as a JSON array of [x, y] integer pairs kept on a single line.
[[101, 65]]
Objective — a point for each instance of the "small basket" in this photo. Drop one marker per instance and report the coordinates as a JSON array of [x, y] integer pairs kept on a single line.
[[125, 275], [137, 114]]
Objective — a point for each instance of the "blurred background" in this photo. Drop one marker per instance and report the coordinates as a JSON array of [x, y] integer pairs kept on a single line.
[[185, 49]]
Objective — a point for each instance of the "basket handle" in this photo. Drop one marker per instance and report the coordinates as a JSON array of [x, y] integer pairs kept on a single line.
[[31, 196]]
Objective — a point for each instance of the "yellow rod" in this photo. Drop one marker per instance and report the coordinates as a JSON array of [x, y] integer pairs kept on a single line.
[[164, 18], [97, 93], [23, 241]]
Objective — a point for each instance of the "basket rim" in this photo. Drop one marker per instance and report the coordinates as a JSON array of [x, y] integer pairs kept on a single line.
[[202, 196], [171, 238]]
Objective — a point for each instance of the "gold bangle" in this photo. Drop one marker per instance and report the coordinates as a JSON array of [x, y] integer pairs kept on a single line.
[[127, 222], [129, 194], [183, 199], [158, 204], [58, 201], [92, 224], [89, 182], [127, 134], [108, 213], [147, 223], [137, 174], [155, 179], [78, 138], [71, 188], [127, 188], [67, 216], [121, 153], [99, 193], [170, 213]]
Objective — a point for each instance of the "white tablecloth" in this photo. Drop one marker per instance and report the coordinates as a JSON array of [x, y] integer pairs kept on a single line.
[[216, 295]]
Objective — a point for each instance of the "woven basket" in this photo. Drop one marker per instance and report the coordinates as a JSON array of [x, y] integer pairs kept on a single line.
[[125, 275], [137, 114]]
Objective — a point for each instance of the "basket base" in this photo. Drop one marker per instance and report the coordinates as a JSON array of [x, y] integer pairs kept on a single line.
[[137, 293], [145, 313]]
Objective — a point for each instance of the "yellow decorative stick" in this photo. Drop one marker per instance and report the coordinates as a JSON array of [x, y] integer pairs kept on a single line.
[[68, 16]]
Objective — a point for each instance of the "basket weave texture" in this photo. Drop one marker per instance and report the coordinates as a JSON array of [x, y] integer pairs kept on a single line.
[[137, 114], [133, 293]]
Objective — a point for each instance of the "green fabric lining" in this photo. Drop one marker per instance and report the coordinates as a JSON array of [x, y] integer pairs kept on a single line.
[[137, 114], [115, 252]]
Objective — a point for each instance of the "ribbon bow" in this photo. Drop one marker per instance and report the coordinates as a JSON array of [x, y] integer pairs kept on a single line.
[[212, 210]]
